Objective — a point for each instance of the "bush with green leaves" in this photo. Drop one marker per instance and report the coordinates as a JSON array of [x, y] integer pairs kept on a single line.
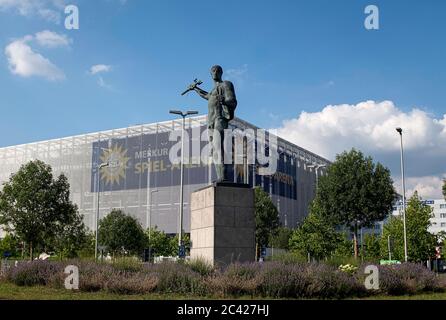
[[121, 234]]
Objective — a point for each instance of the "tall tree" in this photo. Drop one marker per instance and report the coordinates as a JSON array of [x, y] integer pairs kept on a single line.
[[371, 248], [355, 192], [267, 218], [315, 237], [120, 232], [34, 206], [282, 237], [420, 242]]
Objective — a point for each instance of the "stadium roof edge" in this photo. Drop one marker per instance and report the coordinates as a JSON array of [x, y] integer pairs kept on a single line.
[[171, 125]]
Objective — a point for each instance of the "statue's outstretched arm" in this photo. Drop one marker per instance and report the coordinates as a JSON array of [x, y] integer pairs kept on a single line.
[[202, 93]]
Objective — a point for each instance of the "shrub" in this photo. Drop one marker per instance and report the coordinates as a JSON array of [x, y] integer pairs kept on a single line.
[[407, 278], [93, 276], [348, 268], [290, 257], [33, 273], [131, 283], [327, 282], [236, 279], [201, 267], [127, 264], [178, 278], [279, 280]]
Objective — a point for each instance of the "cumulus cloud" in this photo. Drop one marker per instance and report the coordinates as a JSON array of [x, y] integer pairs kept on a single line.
[[51, 39], [25, 62], [50, 10], [100, 68], [370, 127]]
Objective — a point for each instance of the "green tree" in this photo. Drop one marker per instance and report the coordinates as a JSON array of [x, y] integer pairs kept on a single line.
[[355, 192], [174, 244], [267, 219], [88, 247], [159, 242], [371, 248], [344, 248], [315, 237], [121, 233], [9, 244], [420, 242], [164, 245], [71, 237], [34, 206], [282, 237]]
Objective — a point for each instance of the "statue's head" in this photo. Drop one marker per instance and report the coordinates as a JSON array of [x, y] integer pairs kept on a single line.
[[216, 72]]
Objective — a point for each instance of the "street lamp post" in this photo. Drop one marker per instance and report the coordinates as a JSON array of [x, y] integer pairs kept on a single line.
[[98, 178], [149, 220], [316, 168], [183, 115], [400, 131]]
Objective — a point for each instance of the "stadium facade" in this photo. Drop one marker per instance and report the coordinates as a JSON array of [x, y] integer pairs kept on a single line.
[[143, 182]]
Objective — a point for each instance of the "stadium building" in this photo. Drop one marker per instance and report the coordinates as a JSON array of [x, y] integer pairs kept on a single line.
[[142, 181]]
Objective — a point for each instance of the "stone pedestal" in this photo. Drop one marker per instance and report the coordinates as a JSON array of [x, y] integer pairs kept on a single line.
[[223, 224]]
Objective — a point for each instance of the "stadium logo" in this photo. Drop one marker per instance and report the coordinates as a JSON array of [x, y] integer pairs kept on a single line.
[[117, 159]]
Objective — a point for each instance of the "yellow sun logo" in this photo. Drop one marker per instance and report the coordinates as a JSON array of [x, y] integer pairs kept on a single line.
[[117, 160]]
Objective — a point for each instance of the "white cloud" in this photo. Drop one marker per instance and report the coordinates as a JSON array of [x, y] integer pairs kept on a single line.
[[237, 75], [370, 127], [25, 62], [50, 10], [51, 39], [100, 68], [429, 187]]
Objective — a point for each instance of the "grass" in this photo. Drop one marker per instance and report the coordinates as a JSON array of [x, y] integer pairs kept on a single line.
[[13, 292], [425, 296]]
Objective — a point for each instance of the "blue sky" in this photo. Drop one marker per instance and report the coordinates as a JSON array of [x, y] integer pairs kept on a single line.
[[285, 57]]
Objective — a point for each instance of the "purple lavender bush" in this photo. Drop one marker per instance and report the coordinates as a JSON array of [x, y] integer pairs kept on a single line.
[[407, 278], [34, 273], [177, 278], [131, 283], [327, 282], [283, 280]]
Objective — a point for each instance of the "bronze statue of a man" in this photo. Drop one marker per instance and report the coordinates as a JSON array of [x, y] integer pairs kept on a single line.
[[222, 105]]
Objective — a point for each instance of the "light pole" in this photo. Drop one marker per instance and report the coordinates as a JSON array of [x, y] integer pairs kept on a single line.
[[316, 168], [183, 115], [149, 221], [400, 131], [98, 178]]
